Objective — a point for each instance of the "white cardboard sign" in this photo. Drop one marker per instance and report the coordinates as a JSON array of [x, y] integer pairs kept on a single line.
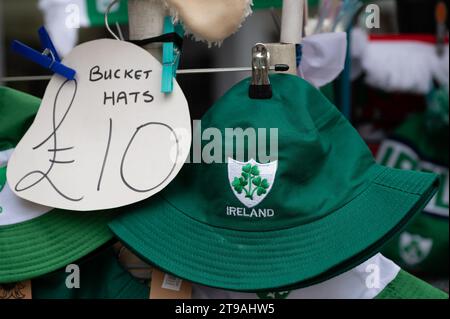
[[106, 139]]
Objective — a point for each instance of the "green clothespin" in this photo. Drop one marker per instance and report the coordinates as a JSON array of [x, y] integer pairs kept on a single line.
[[171, 55]]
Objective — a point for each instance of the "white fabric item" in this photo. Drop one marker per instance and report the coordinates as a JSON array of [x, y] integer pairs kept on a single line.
[[323, 57], [398, 65], [16, 210], [4, 156], [211, 21], [358, 46], [62, 19], [357, 283]]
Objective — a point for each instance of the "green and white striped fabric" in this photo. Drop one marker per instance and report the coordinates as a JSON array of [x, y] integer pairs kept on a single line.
[[424, 245]]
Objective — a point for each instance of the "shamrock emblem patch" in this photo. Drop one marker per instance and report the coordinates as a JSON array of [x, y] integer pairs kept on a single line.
[[251, 181], [414, 248]]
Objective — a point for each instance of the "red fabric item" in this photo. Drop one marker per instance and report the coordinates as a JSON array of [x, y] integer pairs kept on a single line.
[[427, 38], [374, 147]]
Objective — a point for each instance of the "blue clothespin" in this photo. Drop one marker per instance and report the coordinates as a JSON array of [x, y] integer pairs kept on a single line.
[[49, 58], [171, 56]]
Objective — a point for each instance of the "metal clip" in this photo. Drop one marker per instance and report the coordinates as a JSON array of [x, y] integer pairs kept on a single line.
[[260, 87]]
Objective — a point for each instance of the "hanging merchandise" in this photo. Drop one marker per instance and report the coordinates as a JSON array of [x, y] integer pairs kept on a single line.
[[323, 57], [265, 4], [108, 138], [210, 20], [63, 18], [107, 191], [421, 143], [333, 16], [101, 277], [36, 239], [402, 63], [437, 113], [205, 20], [358, 44], [391, 283], [18, 110], [293, 215]]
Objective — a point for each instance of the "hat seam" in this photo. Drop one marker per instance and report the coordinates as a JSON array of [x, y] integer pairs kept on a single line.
[[324, 120], [71, 257], [398, 189], [79, 248], [121, 229], [90, 228], [42, 270], [369, 184]]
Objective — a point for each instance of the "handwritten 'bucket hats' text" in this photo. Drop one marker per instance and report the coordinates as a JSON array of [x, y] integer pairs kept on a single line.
[[318, 208], [106, 139], [36, 239]]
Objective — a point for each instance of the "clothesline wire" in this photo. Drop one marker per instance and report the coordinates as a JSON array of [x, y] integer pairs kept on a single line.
[[183, 71]]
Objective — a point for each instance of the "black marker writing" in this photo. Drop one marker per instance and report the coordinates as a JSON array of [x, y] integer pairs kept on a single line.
[[97, 74], [54, 150], [149, 97], [124, 98], [113, 98], [139, 129], [106, 155]]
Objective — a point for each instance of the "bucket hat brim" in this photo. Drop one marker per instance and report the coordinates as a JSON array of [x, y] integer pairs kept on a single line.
[[49, 242], [298, 256]]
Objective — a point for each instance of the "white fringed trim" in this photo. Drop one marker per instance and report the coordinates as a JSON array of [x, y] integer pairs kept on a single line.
[[176, 18]]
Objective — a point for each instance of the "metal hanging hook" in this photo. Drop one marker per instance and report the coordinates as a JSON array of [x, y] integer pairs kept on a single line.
[[108, 9]]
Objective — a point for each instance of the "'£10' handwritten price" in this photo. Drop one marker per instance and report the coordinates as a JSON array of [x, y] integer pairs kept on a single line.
[[57, 145]]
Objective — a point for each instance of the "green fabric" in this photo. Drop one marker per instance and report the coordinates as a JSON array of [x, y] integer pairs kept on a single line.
[[406, 286], [50, 241], [328, 91], [424, 246], [96, 12], [2, 179], [436, 115], [414, 131], [409, 253], [17, 111], [101, 277], [331, 206], [264, 4]]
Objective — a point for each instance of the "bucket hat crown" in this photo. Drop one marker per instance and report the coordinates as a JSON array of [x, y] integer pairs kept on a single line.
[[317, 208]]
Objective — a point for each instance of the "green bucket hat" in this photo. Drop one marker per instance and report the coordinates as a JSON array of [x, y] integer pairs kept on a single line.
[[35, 239], [321, 207], [101, 277]]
